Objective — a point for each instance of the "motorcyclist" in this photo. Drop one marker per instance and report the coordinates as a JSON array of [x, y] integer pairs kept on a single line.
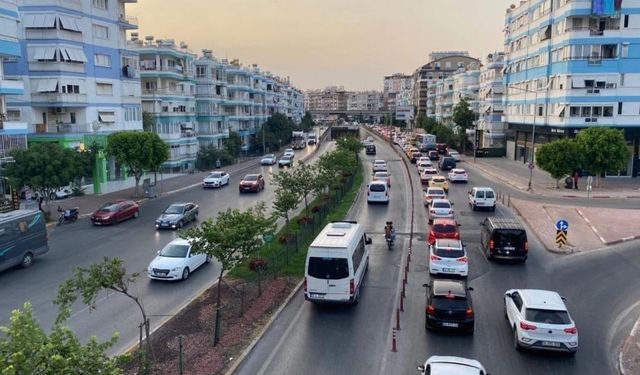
[[390, 231]]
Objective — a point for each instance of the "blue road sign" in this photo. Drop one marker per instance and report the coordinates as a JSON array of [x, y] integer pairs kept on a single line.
[[562, 225]]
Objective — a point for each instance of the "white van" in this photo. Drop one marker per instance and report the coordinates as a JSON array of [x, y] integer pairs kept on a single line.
[[336, 263], [377, 191], [482, 197]]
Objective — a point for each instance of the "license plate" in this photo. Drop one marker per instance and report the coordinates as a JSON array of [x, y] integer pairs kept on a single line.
[[97, 223], [448, 270], [509, 248], [551, 343], [316, 295], [451, 325]]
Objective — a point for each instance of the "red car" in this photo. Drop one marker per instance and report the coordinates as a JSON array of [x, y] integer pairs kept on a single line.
[[116, 211], [252, 182], [443, 228]]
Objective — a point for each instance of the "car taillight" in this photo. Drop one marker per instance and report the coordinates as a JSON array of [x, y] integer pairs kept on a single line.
[[527, 327], [305, 284], [526, 245], [571, 330], [433, 211], [491, 245], [469, 313], [435, 257], [352, 286], [431, 310], [462, 260]]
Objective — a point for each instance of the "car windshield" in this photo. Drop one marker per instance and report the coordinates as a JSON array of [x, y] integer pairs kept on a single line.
[[447, 303], [328, 268], [174, 209], [377, 187], [510, 237], [251, 177], [269, 156], [214, 175], [175, 251], [547, 316], [110, 207], [448, 252], [435, 192], [444, 228], [441, 205], [459, 172]]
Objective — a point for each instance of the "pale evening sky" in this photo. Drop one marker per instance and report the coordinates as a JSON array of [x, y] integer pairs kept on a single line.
[[318, 43]]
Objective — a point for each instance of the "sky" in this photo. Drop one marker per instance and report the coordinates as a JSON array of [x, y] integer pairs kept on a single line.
[[319, 43]]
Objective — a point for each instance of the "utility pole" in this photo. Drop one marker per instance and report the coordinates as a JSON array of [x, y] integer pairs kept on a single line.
[[264, 121]]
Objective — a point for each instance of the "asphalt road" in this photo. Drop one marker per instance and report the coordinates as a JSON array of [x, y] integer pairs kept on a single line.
[[136, 242], [601, 288]]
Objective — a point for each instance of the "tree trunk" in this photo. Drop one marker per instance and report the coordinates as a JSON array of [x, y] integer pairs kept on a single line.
[[137, 177], [306, 205], [218, 302]]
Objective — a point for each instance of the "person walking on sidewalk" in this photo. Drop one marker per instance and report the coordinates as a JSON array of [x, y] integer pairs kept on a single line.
[[576, 176]]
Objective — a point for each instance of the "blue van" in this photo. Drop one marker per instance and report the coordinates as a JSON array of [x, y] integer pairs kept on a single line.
[[23, 236]]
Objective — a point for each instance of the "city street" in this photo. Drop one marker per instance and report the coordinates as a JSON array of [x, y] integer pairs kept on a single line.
[[357, 340], [136, 242]]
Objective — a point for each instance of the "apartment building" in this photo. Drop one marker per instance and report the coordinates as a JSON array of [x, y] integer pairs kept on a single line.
[[169, 95], [364, 101], [211, 96], [491, 128], [332, 98], [13, 131], [397, 91], [570, 65]]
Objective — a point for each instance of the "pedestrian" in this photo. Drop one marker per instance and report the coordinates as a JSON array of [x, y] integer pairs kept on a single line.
[[576, 176]]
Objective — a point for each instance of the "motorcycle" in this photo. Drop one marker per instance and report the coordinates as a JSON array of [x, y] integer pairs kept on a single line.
[[389, 242], [68, 215]]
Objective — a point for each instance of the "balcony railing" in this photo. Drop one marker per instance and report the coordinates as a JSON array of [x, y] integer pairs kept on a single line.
[[62, 128], [80, 99]]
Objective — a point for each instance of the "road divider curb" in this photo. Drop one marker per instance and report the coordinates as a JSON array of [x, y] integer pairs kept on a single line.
[[621, 240]]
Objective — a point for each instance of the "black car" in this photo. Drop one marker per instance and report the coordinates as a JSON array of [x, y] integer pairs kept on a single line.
[[447, 163], [449, 305], [504, 238], [370, 149], [441, 148], [433, 155]]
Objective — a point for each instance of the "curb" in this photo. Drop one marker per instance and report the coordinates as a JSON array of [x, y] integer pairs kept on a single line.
[[594, 229], [627, 342], [551, 250], [240, 359], [621, 240]]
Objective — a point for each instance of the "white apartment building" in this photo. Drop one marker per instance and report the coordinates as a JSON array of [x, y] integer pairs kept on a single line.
[[397, 91], [211, 95], [491, 128], [364, 101]]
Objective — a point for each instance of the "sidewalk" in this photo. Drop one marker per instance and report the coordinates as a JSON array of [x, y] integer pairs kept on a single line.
[[516, 174]]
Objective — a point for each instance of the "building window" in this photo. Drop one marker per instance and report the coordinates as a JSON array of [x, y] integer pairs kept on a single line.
[[70, 89], [100, 4], [72, 116], [201, 71], [102, 60], [619, 108], [607, 111], [104, 89], [626, 20], [100, 31]]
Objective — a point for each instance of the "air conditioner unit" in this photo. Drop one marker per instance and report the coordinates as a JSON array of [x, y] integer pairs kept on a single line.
[[610, 86]]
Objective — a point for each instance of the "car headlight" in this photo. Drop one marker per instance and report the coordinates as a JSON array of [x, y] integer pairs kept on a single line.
[[107, 217], [176, 269]]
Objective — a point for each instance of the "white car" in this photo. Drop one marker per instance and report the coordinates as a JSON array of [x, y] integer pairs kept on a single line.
[[440, 209], [216, 179], [458, 175], [289, 152], [426, 174], [455, 155], [448, 257], [482, 197], [433, 193], [269, 159], [448, 365], [382, 176], [422, 165], [378, 192], [379, 166], [175, 261], [539, 320]]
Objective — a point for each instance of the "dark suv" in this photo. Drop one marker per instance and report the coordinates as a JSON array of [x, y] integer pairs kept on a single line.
[[370, 149], [447, 163], [449, 305], [441, 148], [504, 238], [433, 155]]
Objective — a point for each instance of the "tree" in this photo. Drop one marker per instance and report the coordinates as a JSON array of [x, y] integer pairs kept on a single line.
[[45, 168], [444, 134], [559, 158], [148, 120], [233, 144], [604, 149], [285, 202], [307, 123], [463, 117], [138, 151], [26, 348], [350, 144], [305, 180]]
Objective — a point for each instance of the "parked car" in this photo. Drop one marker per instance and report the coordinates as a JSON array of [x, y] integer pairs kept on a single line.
[[427, 174], [455, 155], [449, 306], [439, 181], [177, 215], [115, 211], [440, 209], [451, 366], [382, 176], [268, 159], [539, 320], [285, 161], [251, 182], [216, 179], [446, 163], [458, 175], [433, 155], [443, 228], [433, 193], [379, 166], [289, 152], [175, 261], [482, 197], [448, 257], [504, 238]]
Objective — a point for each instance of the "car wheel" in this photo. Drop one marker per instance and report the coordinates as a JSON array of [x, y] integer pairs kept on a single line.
[[208, 260], [516, 343], [185, 273], [27, 260]]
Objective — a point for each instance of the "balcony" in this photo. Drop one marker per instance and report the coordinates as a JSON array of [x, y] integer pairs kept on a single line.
[[60, 100], [128, 22], [11, 87], [62, 128]]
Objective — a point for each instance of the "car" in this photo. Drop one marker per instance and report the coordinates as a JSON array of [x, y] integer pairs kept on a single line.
[[458, 175], [378, 192], [433, 193], [268, 159], [448, 257], [370, 149], [411, 149], [379, 166], [216, 179], [312, 140], [285, 161], [482, 197], [450, 365], [504, 238], [443, 228], [421, 165], [455, 155], [446, 163], [177, 215], [415, 155], [426, 175], [449, 306], [115, 211], [423, 158], [439, 209], [539, 320], [441, 148], [251, 182], [289, 152], [176, 261], [433, 155], [383, 176], [439, 181]]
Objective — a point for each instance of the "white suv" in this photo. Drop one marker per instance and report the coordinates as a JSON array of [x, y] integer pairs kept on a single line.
[[451, 366], [482, 197], [540, 320], [449, 257]]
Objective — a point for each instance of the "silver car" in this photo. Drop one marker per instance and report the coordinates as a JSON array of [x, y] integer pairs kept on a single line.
[[440, 209]]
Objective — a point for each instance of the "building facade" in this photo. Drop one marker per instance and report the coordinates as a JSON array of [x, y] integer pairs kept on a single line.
[[571, 65], [211, 97], [491, 128], [364, 101], [397, 91], [332, 98]]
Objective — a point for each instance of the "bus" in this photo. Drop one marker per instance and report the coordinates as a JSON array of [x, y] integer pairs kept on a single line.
[[426, 142]]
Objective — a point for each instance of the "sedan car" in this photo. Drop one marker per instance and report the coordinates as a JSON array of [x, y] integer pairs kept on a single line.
[[422, 165], [426, 175], [455, 155], [458, 175], [440, 209], [289, 152], [177, 215], [448, 257], [285, 161], [439, 181], [251, 182], [268, 159], [176, 261], [451, 366], [115, 211], [443, 228], [216, 179], [382, 176], [379, 166], [449, 306], [433, 193], [414, 156], [539, 320], [433, 155]]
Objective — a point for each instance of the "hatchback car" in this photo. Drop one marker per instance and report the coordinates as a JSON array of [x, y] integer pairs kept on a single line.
[[382, 176], [441, 148], [176, 261], [421, 165], [289, 152], [539, 320], [251, 182], [268, 159], [449, 306], [177, 215], [370, 149], [433, 193], [426, 175], [448, 257], [379, 166], [443, 228], [115, 211], [285, 161], [455, 155], [216, 179], [447, 365], [439, 181], [414, 156], [433, 155], [440, 209], [458, 175]]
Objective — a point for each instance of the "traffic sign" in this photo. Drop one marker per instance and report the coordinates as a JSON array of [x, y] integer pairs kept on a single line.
[[561, 237], [562, 225], [531, 166]]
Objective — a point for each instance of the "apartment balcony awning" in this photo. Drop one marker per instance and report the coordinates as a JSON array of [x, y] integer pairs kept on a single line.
[[74, 54], [107, 116], [46, 85], [43, 53], [577, 83], [68, 23], [39, 21]]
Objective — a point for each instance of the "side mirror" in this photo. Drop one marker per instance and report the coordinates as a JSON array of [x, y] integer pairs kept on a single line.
[[563, 299], [368, 241], [452, 204], [481, 223], [508, 295], [420, 368], [426, 286], [470, 289], [459, 224], [469, 192]]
